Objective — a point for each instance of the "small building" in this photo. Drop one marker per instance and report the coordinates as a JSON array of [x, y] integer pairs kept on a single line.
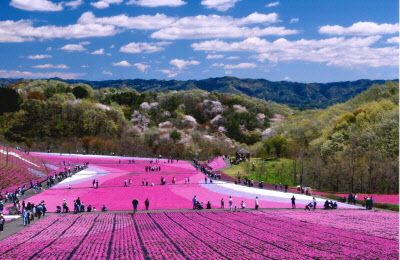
[[243, 154]]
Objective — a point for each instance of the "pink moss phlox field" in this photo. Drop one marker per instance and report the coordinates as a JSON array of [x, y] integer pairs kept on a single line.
[[111, 172], [20, 169], [209, 235], [216, 163], [380, 224], [389, 199]]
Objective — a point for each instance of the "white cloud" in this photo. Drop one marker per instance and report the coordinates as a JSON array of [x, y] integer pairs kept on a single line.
[[143, 47], [360, 28], [294, 20], [141, 22], [228, 72], [156, 3], [393, 40], [109, 73], [141, 67], [51, 66], [49, 48], [31, 75], [220, 5], [255, 18], [272, 4], [193, 27], [73, 47], [123, 63], [112, 46], [84, 66], [23, 30], [39, 57], [170, 73], [351, 53], [180, 64], [233, 58], [84, 43], [102, 4], [74, 4], [36, 5], [98, 52], [243, 65], [216, 56], [286, 78], [215, 26], [217, 65]]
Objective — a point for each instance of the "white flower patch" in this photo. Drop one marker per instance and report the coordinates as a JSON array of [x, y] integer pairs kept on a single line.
[[222, 129], [239, 108], [147, 106], [166, 114], [102, 106], [189, 121], [166, 124], [140, 120], [209, 137], [218, 120]]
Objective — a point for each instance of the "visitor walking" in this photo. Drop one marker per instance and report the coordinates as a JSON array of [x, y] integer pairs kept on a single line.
[[147, 204], [222, 203], [293, 202], [257, 203], [230, 203]]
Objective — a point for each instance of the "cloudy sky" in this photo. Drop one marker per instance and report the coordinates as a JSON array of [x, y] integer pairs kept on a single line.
[[305, 41]]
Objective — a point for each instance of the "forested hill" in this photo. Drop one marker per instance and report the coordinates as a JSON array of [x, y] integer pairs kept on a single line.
[[294, 94]]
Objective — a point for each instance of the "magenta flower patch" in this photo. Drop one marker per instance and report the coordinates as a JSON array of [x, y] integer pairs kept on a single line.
[[209, 235]]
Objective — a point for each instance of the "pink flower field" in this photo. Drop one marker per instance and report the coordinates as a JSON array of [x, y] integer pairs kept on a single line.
[[111, 172], [209, 235], [389, 199]]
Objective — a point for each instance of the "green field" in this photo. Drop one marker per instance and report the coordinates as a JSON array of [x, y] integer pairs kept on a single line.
[[275, 171]]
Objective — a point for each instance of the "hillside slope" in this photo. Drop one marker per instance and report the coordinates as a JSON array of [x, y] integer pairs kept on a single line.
[[294, 94]]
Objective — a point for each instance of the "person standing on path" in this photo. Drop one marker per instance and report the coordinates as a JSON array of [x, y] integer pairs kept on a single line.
[[222, 203], [25, 216], [257, 203], [293, 202], [2, 221], [314, 204], [230, 203], [194, 200], [135, 203], [147, 204]]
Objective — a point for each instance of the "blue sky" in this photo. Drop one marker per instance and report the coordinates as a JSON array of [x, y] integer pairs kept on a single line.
[[304, 41]]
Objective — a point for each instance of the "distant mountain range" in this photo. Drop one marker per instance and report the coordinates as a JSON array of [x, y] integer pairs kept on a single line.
[[294, 94]]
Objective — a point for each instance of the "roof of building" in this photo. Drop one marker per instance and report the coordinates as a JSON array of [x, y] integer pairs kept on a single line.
[[241, 150]]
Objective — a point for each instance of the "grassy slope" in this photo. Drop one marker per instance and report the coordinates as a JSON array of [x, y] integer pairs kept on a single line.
[[277, 171]]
